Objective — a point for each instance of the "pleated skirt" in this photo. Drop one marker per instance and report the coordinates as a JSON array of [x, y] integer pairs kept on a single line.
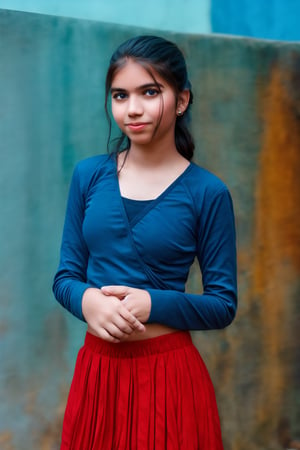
[[142, 395]]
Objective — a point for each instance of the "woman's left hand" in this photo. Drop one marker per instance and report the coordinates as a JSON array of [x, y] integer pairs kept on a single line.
[[137, 301]]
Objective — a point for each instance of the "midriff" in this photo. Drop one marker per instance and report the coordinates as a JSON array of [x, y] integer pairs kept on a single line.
[[152, 330]]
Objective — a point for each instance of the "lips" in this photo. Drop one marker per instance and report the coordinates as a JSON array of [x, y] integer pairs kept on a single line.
[[136, 126]]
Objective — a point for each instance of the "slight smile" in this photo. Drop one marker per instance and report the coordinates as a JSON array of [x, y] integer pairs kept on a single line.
[[137, 126]]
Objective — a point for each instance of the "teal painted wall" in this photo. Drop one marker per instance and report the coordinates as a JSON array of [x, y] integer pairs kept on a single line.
[[246, 127], [275, 19], [187, 16]]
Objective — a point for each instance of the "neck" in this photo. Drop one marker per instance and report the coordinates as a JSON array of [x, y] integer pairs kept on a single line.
[[153, 155]]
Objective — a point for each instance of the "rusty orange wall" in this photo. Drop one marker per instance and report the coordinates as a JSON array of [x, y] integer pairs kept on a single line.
[[246, 119]]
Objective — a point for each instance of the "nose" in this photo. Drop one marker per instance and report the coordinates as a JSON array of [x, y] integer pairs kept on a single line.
[[134, 106]]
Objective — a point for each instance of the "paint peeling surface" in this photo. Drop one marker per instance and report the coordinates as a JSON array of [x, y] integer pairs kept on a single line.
[[246, 122]]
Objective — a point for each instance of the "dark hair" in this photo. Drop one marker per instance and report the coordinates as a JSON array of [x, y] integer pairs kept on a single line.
[[165, 58]]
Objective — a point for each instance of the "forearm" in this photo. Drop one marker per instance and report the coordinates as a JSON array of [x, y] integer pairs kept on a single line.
[[69, 293], [192, 311]]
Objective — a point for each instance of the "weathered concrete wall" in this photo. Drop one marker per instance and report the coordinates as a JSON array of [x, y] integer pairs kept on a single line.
[[246, 125], [169, 15]]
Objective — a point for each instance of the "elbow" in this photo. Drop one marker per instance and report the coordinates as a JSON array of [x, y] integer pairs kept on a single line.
[[55, 287], [56, 293], [229, 318], [230, 309]]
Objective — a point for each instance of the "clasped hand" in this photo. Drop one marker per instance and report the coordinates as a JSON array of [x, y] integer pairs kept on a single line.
[[114, 312]]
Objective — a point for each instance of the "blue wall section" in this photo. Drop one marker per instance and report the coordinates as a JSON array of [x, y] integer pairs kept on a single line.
[[272, 19]]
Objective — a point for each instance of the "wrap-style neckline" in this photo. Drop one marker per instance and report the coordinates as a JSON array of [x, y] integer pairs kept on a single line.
[[154, 201]]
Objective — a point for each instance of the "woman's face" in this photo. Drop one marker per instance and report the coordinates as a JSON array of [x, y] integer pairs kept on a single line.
[[144, 112]]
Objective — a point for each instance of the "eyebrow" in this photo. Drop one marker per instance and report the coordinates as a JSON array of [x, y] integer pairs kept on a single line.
[[139, 88]]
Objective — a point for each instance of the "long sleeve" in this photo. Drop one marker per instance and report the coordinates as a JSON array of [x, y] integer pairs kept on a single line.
[[216, 251], [70, 279]]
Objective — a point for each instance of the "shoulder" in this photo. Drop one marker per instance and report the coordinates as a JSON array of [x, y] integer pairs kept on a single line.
[[206, 191], [88, 170], [212, 201], [88, 165], [201, 181]]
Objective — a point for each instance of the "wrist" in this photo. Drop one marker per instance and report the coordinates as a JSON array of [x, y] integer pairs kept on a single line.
[[88, 296]]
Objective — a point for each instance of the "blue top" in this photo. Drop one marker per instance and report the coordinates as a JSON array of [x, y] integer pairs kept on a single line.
[[192, 218], [134, 207]]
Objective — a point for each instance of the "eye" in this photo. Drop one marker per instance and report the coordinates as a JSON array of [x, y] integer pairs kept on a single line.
[[151, 92], [119, 96]]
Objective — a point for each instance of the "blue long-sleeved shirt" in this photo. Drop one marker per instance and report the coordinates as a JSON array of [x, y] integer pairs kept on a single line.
[[192, 218]]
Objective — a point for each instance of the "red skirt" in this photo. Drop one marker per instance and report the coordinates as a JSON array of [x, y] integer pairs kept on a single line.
[[142, 395]]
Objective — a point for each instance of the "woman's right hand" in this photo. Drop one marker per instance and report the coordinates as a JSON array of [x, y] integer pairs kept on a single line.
[[107, 317]]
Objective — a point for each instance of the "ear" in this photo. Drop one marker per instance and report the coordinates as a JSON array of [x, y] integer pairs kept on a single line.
[[182, 102]]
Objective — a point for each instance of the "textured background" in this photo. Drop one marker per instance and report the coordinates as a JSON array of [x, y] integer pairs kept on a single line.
[[246, 120], [272, 19]]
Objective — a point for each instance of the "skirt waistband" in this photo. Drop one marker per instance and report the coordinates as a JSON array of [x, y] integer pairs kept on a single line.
[[144, 347]]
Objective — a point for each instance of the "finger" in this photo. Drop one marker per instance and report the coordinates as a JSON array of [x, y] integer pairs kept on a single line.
[[106, 336], [138, 325], [125, 299], [118, 291], [132, 320], [123, 325], [115, 331], [130, 307]]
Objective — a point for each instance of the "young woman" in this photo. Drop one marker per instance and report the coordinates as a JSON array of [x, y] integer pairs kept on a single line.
[[135, 221]]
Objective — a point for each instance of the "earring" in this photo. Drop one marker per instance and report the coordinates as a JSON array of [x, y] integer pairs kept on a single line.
[[179, 113]]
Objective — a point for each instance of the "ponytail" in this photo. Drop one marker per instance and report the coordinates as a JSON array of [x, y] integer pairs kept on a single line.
[[183, 139]]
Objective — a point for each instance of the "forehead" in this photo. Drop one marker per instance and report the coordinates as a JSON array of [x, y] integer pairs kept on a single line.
[[134, 74]]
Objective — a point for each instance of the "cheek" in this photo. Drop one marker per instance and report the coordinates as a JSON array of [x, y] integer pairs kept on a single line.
[[169, 112], [155, 110], [117, 113]]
